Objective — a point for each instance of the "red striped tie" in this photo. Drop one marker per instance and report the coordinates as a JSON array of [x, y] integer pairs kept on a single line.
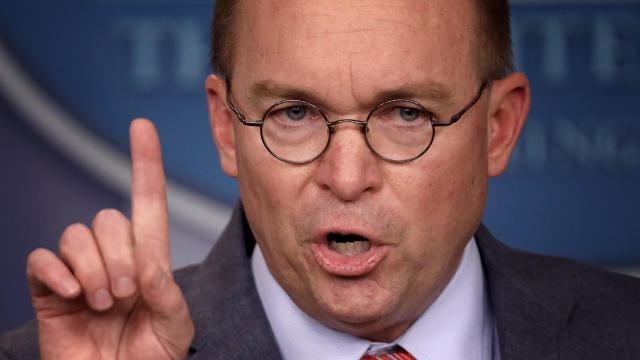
[[396, 354]]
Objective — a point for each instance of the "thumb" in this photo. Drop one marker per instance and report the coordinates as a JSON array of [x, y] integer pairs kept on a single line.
[[170, 314]]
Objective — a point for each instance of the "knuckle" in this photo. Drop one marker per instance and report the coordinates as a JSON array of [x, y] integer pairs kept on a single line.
[[107, 218], [74, 231], [176, 303], [35, 260], [35, 255], [72, 239], [173, 302]]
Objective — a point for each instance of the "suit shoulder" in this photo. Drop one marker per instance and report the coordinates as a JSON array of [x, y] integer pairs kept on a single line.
[[20, 343], [184, 277], [559, 278], [552, 271], [588, 308], [578, 278]]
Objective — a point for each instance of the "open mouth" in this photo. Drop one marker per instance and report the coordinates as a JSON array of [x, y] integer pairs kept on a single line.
[[348, 253], [349, 244]]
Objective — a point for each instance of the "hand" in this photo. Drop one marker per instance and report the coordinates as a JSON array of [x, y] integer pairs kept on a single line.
[[111, 294]]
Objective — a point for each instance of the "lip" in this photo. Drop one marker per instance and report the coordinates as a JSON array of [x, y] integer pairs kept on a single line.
[[337, 264]]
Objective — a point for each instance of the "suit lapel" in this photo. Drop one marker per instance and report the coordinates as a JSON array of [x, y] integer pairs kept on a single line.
[[530, 313], [224, 304]]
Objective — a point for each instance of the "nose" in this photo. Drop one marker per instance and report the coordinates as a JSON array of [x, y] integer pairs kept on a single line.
[[347, 168]]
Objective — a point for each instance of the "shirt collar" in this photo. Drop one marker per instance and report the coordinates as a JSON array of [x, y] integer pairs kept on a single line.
[[458, 325]]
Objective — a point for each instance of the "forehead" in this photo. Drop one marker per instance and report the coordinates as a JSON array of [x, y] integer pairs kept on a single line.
[[358, 43]]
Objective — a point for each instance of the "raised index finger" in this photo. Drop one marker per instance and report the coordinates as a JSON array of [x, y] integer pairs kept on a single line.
[[150, 218]]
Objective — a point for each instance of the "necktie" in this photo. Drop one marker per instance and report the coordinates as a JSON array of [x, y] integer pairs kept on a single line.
[[396, 353]]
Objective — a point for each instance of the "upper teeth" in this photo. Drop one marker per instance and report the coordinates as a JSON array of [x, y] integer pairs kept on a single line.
[[350, 247]]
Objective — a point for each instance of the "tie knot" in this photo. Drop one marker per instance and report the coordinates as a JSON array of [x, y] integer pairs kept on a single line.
[[395, 353]]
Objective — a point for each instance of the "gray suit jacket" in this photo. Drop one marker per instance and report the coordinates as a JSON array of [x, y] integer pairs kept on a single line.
[[545, 308]]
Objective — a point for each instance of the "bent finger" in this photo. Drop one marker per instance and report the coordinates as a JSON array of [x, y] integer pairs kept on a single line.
[[112, 231], [79, 250], [47, 274]]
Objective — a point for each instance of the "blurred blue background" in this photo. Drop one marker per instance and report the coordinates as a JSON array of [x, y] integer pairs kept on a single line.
[[73, 73]]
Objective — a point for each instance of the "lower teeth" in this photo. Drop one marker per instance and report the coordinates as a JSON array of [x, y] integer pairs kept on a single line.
[[350, 247]]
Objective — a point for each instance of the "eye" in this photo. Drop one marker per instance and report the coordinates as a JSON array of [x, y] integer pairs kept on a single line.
[[292, 113], [296, 113], [409, 114], [401, 113]]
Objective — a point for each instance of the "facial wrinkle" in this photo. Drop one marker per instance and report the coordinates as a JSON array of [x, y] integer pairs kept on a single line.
[[352, 78]]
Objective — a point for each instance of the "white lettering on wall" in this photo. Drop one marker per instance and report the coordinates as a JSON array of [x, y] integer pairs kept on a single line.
[[165, 51], [612, 40], [565, 145]]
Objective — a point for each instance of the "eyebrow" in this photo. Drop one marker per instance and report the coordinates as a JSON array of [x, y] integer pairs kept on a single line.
[[431, 91], [271, 90]]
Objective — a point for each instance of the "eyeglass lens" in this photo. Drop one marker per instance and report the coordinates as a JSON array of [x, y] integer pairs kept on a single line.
[[298, 132]]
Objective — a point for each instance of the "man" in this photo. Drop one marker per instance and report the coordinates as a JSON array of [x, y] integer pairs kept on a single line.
[[362, 135]]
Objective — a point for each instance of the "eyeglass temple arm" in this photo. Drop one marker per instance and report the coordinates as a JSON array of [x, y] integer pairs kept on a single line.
[[457, 116], [241, 117]]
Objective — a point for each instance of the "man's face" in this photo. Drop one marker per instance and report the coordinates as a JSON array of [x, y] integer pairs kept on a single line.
[[416, 217]]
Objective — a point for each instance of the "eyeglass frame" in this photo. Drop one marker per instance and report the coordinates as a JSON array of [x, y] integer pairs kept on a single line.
[[363, 124]]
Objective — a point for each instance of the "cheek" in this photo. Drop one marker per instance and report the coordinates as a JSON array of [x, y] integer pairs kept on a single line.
[[448, 190], [259, 190], [270, 190], [264, 197]]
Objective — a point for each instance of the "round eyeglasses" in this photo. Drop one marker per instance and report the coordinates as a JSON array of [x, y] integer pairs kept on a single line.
[[298, 132]]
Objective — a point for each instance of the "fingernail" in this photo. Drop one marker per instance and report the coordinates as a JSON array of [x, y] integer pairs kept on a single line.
[[70, 286], [125, 286], [159, 278], [102, 299]]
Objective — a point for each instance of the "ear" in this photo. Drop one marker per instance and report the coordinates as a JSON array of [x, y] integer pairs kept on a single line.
[[221, 124], [508, 109]]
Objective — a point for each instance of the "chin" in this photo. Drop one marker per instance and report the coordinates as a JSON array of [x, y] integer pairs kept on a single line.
[[354, 303], [372, 323]]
